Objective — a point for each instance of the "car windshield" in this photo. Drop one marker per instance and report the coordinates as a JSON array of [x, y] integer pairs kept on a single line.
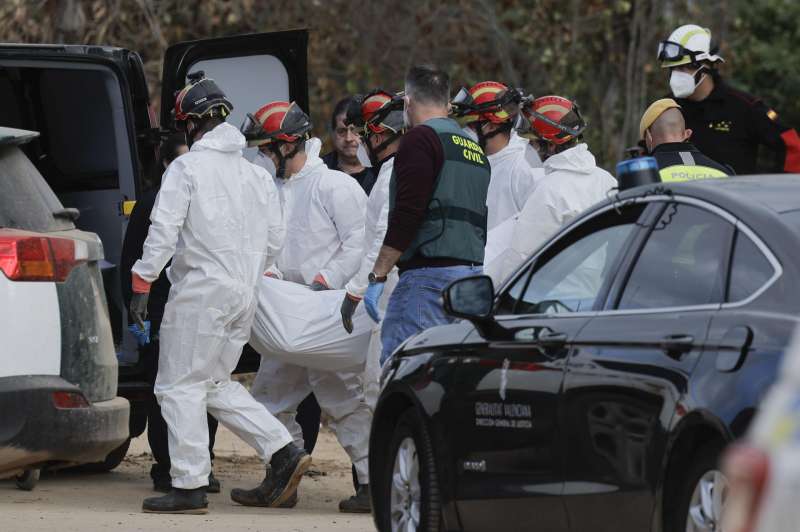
[[26, 201]]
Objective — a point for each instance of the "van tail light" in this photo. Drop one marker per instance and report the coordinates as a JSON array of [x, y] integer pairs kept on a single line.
[[747, 469], [68, 400], [32, 257]]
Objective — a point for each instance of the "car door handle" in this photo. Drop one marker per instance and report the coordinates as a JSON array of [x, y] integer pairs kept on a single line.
[[545, 337], [677, 344], [551, 339]]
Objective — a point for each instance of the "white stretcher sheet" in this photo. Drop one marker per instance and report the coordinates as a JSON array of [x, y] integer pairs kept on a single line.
[[296, 325]]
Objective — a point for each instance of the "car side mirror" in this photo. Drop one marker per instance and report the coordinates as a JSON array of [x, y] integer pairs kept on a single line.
[[471, 298]]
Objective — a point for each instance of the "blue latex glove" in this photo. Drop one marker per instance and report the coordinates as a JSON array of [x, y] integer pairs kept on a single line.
[[142, 335], [371, 298]]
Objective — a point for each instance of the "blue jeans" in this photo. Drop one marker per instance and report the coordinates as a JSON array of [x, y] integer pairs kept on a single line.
[[416, 304]]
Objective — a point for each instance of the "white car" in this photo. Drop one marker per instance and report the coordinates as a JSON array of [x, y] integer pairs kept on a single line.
[[58, 367]]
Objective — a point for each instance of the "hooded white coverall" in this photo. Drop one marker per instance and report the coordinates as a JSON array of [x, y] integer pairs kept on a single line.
[[325, 216], [210, 218], [513, 179], [375, 231], [572, 183]]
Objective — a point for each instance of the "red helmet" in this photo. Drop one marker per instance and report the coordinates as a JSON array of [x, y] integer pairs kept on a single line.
[[487, 101], [283, 121], [554, 119], [377, 112], [200, 98]]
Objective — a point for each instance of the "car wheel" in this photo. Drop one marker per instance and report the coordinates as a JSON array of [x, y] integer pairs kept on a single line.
[[703, 495], [410, 489], [28, 480], [113, 459]]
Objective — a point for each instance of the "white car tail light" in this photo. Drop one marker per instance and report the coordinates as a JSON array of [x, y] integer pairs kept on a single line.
[[32, 257]]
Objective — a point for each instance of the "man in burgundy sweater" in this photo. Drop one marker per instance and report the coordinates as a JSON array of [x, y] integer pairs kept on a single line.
[[437, 216]]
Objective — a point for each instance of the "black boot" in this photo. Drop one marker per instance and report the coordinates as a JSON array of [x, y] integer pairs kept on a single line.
[[214, 485], [283, 476], [178, 501], [359, 503]]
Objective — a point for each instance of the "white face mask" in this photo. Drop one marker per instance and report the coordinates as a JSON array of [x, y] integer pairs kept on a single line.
[[470, 133], [683, 84], [265, 162], [363, 156]]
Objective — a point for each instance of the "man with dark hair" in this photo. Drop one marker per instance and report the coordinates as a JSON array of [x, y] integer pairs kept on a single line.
[[437, 212], [344, 156]]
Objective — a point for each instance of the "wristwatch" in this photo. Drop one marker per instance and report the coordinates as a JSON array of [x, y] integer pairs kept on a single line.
[[372, 278]]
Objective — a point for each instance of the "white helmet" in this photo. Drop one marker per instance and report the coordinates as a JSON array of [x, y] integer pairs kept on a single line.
[[687, 44]]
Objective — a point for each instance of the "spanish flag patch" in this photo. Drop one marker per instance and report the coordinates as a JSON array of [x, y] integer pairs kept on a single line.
[[772, 115]]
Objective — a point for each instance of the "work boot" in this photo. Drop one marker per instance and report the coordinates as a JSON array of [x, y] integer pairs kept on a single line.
[[178, 501], [164, 484], [280, 483], [214, 485], [290, 502], [359, 503]]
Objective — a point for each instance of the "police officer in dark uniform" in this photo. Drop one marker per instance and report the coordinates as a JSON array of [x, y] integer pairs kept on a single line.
[[664, 132], [728, 125]]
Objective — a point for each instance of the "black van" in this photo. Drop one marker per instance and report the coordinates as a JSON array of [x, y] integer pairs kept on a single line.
[[98, 143]]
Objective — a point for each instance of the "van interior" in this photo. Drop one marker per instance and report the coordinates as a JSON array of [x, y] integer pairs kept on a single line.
[[85, 151]]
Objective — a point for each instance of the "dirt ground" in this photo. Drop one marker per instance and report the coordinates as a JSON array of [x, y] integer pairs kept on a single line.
[[67, 501]]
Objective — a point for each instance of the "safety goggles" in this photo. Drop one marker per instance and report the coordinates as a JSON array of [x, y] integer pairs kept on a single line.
[[564, 131], [355, 117], [508, 101], [672, 51]]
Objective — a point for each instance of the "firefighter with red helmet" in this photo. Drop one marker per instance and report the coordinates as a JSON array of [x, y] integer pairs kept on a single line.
[[325, 218], [379, 117], [572, 180], [218, 218], [489, 110]]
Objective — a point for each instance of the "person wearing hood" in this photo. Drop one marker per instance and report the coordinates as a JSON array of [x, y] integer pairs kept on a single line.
[[729, 125], [325, 215], [572, 180], [379, 117], [218, 217], [488, 111]]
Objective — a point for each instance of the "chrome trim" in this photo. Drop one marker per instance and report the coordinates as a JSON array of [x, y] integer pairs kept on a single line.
[[703, 204]]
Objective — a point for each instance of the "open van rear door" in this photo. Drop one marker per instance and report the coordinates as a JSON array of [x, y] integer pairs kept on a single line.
[[252, 70]]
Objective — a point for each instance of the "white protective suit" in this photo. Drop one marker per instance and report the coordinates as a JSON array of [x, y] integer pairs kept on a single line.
[[324, 211], [325, 218], [375, 231], [513, 179], [572, 183], [218, 217]]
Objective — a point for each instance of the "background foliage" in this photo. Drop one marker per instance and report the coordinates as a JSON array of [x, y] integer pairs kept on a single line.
[[599, 52]]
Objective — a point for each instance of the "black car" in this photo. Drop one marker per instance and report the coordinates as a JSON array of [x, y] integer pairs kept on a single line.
[[596, 388], [99, 137]]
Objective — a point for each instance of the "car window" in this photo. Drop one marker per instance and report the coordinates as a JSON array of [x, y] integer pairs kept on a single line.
[[26, 202], [569, 276], [750, 269], [682, 262]]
